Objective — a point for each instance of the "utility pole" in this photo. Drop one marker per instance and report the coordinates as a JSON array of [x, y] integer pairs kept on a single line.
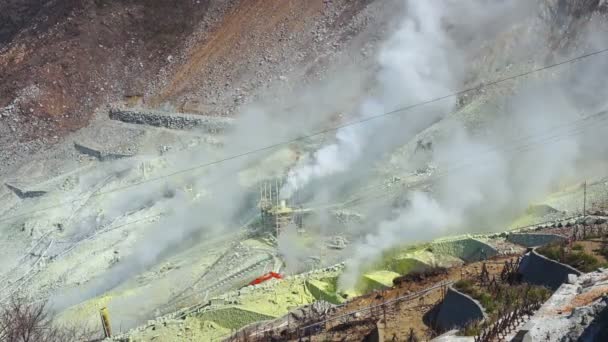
[[105, 322], [585, 199]]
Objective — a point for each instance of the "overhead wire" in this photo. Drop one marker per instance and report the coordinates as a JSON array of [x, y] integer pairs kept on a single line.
[[360, 121], [598, 120]]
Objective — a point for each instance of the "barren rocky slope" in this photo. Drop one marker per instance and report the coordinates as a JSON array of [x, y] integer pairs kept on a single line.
[[140, 234], [60, 60]]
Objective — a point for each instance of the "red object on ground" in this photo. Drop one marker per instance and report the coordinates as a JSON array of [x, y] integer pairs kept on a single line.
[[266, 277]]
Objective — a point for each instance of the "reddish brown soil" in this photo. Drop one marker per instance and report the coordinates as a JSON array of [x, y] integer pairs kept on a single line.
[[83, 53], [80, 54], [592, 247], [225, 48]]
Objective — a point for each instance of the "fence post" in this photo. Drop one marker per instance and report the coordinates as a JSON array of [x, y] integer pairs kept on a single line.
[[384, 314]]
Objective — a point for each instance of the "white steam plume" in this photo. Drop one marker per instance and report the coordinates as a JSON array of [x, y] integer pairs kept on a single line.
[[489, 180], [416, 64]]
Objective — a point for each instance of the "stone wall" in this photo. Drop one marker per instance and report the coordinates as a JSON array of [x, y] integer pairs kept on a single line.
[[211, 124], [457, 310], [534, 240], [539, 270]]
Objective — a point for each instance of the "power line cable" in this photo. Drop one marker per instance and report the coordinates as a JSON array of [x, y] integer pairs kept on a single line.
[[332, 129], [574, 131], [534, 135]]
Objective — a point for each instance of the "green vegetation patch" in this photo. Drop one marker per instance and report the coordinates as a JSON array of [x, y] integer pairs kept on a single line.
[[277, 297], [603, 250], [502, 296], [575, 257], [496, 298]]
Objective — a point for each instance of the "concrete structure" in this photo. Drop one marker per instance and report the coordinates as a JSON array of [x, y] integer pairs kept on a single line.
[[22, 191], [457, 310], [533, 239], [211, 124], [539, 270], [98, 152]]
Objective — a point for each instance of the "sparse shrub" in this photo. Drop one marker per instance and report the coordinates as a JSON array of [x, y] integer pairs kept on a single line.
[[576, 258], [22, 321], [552, 251], [412, 337], [418, 276], [472, 329], [463, 285], [577, 247], [538, 294], [503, 296], [487, 302], [603, 250], [582, 261]]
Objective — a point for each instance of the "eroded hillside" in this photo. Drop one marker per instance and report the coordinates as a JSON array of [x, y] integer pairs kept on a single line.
[[159, 157]]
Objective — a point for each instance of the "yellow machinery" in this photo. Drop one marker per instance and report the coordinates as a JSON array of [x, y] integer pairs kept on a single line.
[[105, 322]]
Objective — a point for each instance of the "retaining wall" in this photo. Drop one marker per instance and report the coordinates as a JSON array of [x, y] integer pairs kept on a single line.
[[457, 310], [98, 152], [23, 193], [534, 240], [171, 120], [233, 317], [539, 270], [323, 291]]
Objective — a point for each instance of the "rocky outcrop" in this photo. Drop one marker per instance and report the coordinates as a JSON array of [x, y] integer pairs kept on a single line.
[[575, 312]]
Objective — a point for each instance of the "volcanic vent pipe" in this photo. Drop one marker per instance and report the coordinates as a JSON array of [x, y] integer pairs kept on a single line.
[[105, 322]]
